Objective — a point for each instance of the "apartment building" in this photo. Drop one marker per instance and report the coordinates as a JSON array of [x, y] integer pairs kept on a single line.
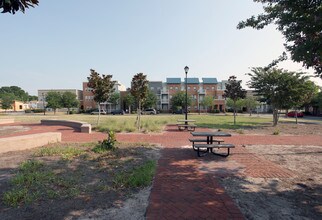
[[196, 89], [89, 103], [42, 93]]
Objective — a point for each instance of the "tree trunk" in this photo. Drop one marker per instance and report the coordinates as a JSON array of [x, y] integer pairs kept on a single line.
[[234, 112], [99, 114], [275, 117]]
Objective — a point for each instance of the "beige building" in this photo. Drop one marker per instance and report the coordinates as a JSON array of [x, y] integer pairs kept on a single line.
[[42, 93]]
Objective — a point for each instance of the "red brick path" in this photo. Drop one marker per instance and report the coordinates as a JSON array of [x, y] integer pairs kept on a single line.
[[185, 186]]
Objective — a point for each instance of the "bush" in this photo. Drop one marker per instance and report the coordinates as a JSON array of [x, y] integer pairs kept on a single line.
[[38, 110], [107, 144], [28, 111]]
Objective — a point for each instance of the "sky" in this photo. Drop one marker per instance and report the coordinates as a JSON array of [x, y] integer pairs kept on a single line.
[[54, 45]]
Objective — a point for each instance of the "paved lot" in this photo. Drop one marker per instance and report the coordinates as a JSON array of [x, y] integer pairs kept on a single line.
[[185, 186]]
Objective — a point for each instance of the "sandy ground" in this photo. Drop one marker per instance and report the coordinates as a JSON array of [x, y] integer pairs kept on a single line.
[[299, 197], [281, 198]]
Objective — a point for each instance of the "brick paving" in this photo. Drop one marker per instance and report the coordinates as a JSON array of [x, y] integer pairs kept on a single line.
[[185, 186]]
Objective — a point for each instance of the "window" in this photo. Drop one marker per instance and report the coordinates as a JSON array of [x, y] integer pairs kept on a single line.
[[152, 88], [213, 88], [176, 88], [188, 87], [170, 87], [194, 88]]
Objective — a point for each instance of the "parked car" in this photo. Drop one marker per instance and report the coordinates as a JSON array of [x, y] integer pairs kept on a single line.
[[292, 114], [149, 111], [96, 112], [118, 112], [178, 111]]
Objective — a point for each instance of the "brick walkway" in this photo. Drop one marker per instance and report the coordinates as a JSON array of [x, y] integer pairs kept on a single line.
[[185, 186]]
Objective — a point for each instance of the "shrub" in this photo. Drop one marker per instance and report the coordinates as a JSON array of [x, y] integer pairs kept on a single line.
[[107, 144]]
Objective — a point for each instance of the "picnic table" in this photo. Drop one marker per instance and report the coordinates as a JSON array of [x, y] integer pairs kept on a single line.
[[209, 142], [186, 125]]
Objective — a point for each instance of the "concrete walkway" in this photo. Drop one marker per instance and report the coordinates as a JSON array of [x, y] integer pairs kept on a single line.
[[185, 186]]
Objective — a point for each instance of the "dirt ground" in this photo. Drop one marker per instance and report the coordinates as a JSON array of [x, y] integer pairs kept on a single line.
[[89, 178], [299, 197]]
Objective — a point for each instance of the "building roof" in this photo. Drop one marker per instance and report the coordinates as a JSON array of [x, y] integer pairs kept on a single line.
[[174, 80], [192, 80], [209, 80]]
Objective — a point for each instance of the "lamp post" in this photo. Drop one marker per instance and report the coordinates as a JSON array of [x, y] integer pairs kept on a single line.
[[186, 69], [43, 102]]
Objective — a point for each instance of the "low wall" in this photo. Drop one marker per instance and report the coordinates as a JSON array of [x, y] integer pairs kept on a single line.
[[7, 120], [83, 127], [24, 142]]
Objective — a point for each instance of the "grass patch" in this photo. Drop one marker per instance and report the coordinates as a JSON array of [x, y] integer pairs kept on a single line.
[[138, 177], [33, 181], [66, 153]]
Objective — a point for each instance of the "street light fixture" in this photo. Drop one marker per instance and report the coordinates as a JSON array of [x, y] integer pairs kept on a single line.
[[186, 69]]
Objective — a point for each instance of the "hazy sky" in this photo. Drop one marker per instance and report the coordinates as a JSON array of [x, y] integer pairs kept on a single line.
[[54, 45]]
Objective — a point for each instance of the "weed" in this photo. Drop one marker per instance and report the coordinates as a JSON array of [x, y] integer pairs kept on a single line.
[[276, 132], [16, 197], [66, 153], [240, 131], [141, 176], [107, 144]]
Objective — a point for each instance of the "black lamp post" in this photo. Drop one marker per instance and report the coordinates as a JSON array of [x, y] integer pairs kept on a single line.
[[43, 102], [186, 69]]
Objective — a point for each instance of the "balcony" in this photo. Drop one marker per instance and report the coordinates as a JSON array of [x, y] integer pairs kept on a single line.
[[202, 91]]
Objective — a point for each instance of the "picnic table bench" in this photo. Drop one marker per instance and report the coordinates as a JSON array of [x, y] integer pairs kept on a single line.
[[186, 125], [209, 147], [209, 143]]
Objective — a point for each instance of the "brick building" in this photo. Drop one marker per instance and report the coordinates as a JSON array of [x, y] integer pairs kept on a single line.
[[196, 89]]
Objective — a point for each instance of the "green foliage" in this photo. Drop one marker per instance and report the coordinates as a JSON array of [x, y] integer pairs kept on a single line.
[[234, 91], [139, 90], [178, 100], [138, 177], [107, 144], [66, 153], [150, 101], [103, 86], [251, 103], [12, 6], [53, 100], [300, 22], [7, 100], [276, 132], [115, 98], [207, 101], [69, 100], [16, 91], [129, 100], [282, 89]]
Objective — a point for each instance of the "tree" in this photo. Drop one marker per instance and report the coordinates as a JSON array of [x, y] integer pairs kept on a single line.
[[234, 91], [53, 100], [69, 100], [7, 100], [129, 100], [12, 6], [150, 101], [300, 21], [103, 87], [251, 103], [139, 89], [178, 100], [32, 98], [207, 102], [115, 98], [280, 88], [19, 93]]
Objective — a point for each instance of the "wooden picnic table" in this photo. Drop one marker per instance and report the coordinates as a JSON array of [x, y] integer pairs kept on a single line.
[[210, 142]]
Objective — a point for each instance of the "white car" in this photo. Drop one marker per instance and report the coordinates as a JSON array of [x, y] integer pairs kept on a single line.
[[96, 112], [149, 111]]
